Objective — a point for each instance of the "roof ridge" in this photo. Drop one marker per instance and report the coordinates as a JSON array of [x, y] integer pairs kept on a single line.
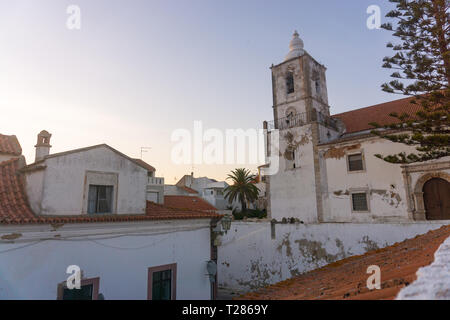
[[372, 106], [7, 162]]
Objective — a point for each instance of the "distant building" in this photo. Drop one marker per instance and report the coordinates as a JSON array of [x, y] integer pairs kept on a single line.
[[210, 190], [89, 207]]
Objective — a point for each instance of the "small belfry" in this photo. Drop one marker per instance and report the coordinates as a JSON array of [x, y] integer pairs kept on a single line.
[[43, 145]]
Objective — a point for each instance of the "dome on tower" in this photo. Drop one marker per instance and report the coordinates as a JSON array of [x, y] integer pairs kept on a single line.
[[295, 47]]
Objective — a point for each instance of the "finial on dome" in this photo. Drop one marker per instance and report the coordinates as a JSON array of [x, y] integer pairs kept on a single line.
[[295, 47]]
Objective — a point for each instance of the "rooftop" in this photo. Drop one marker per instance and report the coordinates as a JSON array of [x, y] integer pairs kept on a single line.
[[359, 119], [144, 164], [14, 208], [346, 279], [10, 145], [188, 203]]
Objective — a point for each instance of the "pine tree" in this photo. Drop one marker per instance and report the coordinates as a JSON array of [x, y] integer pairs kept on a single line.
[[421, 67]]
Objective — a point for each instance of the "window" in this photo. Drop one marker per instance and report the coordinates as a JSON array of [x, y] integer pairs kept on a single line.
[[317, 87], [359, 202], [291, 158], [88, 291], [100, 199], [355, 162], [290, 83], [162, 282]]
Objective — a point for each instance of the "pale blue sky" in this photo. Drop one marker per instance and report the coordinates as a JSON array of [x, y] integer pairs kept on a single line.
[[139, 69]]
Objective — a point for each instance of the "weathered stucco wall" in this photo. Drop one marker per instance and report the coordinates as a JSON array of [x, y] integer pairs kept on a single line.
[[292, 190], [63, 191], [254, 254], [32, 269]]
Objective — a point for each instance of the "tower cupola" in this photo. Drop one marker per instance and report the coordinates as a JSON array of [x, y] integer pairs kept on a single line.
[[295, 47]]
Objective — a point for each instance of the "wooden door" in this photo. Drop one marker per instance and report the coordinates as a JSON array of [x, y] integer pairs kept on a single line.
[[437, 199]]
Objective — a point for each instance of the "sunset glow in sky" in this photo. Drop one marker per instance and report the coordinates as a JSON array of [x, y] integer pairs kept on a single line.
[[139, 69]]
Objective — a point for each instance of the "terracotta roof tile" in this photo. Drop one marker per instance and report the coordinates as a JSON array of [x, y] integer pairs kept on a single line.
[[346, 279], [188, 190], [188, 203], [10, 145], [144, 164], [13, 204], [358, 120], [157, 210], [14, 208]]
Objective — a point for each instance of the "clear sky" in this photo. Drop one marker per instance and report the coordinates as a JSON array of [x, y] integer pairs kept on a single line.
[[139, 69]]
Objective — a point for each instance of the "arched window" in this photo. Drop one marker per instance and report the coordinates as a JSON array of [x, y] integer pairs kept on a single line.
[[290, 83]]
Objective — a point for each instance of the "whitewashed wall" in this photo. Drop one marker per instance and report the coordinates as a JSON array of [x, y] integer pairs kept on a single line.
[[61, 191], [292, 191], [121, 262], [249, 258]]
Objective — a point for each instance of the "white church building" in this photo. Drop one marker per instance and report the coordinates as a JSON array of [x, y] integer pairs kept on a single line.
[[328, 171]]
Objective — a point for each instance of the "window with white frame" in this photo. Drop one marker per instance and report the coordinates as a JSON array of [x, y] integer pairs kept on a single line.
[[360, 202], [355, 162]]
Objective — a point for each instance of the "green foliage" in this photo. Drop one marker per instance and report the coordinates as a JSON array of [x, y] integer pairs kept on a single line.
[[249, 213], [422, 71], [243, 187]]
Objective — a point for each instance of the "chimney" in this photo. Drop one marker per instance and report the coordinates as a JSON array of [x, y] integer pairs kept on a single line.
[[43, 145]]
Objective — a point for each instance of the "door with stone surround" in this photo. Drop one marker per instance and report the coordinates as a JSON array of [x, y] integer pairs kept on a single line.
[[436, 196]]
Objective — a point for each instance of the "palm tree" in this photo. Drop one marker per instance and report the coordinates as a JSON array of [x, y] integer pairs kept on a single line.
[[243, 187]]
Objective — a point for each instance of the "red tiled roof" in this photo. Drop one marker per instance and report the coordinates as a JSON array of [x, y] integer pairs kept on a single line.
[[188, 190], [163, 212], [13, 204], [14, 208], [358, 120], [346, 279], [10, 145], [144, 164], [188, 202]]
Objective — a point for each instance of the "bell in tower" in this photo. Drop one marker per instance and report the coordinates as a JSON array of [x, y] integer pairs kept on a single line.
[[43, 145]]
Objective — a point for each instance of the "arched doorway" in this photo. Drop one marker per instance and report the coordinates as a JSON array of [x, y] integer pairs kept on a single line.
[[436, 196]]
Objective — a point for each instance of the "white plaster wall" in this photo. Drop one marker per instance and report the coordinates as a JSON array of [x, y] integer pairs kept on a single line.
[[63, 191], [34, 271], [383, 180], [292, 191], [172, 190], [248, 257], [201, 183], [34, 187]]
